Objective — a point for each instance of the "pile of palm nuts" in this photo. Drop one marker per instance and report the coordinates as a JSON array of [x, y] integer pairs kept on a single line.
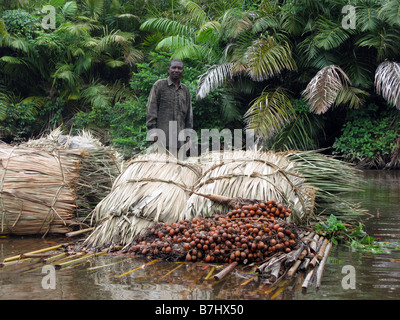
[[248, 233]]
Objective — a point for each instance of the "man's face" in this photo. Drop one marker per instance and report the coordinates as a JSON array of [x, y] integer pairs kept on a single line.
[[175, 70]]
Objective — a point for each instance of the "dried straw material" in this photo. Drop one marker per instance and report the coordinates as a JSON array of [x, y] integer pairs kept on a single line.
[[333, 181], [97, 171], [153, 188], [156, 188], [37, 190], [251, 175]]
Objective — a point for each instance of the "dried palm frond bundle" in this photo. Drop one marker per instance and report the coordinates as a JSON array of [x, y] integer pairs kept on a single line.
[[153, 188], [37, 190], [250, 175], [334, 180], [98, 169]]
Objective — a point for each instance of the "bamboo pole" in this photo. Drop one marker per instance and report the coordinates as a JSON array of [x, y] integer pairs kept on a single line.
[[47, 261], [78, 232], [146, 264], [85, 260], [308, 279], [62, 264], [85, 256], [322, 249], [17, 257], [305, 264], [225, 271], [210, 273], [294, 255], [169, 272], [107, 265], [293, 269], [36, 255], [275, 271], [313, 244], [322, 264]]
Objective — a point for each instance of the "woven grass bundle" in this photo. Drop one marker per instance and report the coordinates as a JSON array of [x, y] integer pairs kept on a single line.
[[153, 188], [37, 190], [98, 169], [250, 175]]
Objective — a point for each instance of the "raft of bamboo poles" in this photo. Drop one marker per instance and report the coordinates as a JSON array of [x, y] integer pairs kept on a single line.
[[270, 277]]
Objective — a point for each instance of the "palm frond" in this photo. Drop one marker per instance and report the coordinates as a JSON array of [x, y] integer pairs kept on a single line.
[[132, 56], [269, 113], [265, 22], [114, 63], [166, 26], [74, 29], [293, 23], [97, 95], [16, 43], [111, 38], [93, 7], [266, 58], [387, 82], [367, 16], [69, 10], [333, 180], [67, 74], [235, 21], [230, 107], [215, 76], [322, 90], [209, 31], [174, 42], [390, 11], [300, 134], [330, 34], [193, 51], [351, 96], [197, 15], [385, 41]]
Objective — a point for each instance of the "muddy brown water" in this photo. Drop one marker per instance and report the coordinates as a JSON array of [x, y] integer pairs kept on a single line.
[[349, 274]]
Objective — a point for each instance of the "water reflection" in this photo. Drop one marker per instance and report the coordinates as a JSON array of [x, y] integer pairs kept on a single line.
[[377, 276]]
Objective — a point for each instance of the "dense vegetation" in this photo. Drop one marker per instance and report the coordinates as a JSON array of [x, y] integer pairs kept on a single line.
[[302, 74]]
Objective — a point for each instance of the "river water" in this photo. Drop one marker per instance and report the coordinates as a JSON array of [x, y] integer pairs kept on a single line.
[[349, 274]]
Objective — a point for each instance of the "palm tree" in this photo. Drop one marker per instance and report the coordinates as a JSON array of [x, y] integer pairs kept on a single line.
[[237, 44], [71, 61]]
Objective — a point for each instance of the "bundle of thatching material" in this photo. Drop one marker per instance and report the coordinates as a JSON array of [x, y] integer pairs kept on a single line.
[[156, 188], [334, 180], [252, 175], [97, 171], [152, 188], [37, 190]]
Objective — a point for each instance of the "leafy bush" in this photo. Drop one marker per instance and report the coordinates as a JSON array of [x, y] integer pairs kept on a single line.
[[21, 23], [368, 135], [20, 122]]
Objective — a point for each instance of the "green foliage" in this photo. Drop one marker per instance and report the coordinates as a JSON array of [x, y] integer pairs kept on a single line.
[[233, 50], [302, 132], [369, 133], [332, 229], [20, 121], [354, 236], [20, 23]]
